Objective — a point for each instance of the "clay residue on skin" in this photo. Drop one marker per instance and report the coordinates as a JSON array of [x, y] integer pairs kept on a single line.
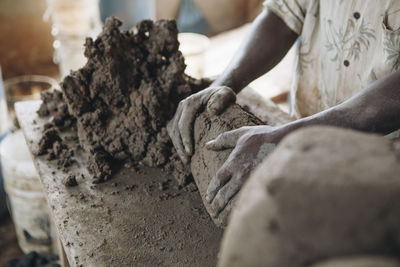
[[124, 96], [264, 151], [205, 163]]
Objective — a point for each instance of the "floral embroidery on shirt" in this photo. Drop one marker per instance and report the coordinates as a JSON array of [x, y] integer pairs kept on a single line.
[[392, 47], [304, 60], [349, 43], [343, 48], [282, 8]]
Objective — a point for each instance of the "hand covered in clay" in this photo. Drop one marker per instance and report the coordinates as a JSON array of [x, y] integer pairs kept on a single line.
[[180, 128], [251, 145]]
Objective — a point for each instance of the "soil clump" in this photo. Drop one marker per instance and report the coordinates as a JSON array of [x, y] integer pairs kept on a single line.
[[122, 99], [70, 180]]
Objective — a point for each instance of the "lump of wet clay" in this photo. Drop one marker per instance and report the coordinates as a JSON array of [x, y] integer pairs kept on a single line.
[[324, 192], [126, 93], [54, 105], [52, 145], [205, 163], [49, 137]]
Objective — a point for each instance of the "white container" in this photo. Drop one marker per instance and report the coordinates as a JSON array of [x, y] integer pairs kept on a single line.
[[29, 210], [72, 21], [193, 47], [4, 126]]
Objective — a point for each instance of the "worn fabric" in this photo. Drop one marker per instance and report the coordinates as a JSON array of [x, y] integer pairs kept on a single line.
[[344, 46]]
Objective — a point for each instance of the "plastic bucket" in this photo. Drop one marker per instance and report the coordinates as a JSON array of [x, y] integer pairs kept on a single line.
[[28, 207], [3, 206], [4, 128], [193, 47]]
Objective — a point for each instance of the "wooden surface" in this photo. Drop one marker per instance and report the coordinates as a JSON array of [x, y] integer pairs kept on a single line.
[[138, 218]]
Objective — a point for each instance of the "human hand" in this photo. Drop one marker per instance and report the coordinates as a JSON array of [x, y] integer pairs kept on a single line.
[[180, 128], [251, 145]]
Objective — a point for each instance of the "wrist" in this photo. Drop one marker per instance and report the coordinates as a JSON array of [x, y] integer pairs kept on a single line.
[[228, 82], [268, 134], [281, 131]]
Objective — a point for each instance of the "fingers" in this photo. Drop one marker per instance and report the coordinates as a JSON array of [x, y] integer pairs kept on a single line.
[[218, 181], [225, 140], [180, 128], [185, 126], [220, 100], [175, 135], [225, 195], [227, 183], [228, 206]]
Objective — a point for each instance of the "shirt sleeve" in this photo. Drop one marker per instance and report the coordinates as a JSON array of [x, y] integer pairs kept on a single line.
[[292, 12]]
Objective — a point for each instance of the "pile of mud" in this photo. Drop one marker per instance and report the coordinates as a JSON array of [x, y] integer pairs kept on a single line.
[[122, 99]]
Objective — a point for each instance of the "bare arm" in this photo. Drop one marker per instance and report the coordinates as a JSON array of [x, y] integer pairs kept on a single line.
[[268, 41], [266, 44], [376, 109]]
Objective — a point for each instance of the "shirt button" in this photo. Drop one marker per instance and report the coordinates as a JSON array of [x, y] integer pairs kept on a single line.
[[356, 15], [346, 63]]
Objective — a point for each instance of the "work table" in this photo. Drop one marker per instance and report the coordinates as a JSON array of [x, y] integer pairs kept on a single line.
[[139, 217]]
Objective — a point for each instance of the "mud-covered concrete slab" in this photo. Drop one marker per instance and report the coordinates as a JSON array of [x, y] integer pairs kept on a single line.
[[139, 218]]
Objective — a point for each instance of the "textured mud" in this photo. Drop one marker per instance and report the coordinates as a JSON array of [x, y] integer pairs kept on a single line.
[[53, 104], [51, 143], [324, 193], [205, 163], [141, 217], [124, 96]]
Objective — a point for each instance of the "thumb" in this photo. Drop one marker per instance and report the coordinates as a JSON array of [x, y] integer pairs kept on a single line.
[[220, 100], [223, 141]]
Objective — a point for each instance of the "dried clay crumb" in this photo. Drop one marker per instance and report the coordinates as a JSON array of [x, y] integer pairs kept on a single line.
[[70, 180]]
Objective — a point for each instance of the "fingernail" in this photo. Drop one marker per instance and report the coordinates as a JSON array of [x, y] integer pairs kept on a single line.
[[184, 159], [211, 109], [212, 189], [210, 195], [208, 198], [214, 211], [187, 149], [209, 144], [214, 215]]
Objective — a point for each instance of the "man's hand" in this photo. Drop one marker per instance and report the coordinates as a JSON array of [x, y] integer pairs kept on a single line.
[[251, 145], [267, 43], [180, 128]]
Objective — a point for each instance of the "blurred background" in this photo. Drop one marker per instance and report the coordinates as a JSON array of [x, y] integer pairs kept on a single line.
[[41, 41], [29, 30]]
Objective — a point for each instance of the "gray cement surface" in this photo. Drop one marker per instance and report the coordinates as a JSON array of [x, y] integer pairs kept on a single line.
[[139, 218]]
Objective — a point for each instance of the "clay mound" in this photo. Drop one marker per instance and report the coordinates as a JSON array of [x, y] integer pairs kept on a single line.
[[126, 93]]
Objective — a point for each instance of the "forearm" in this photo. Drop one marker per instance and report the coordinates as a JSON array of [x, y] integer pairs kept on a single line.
[[266, 44], [376, 109]]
